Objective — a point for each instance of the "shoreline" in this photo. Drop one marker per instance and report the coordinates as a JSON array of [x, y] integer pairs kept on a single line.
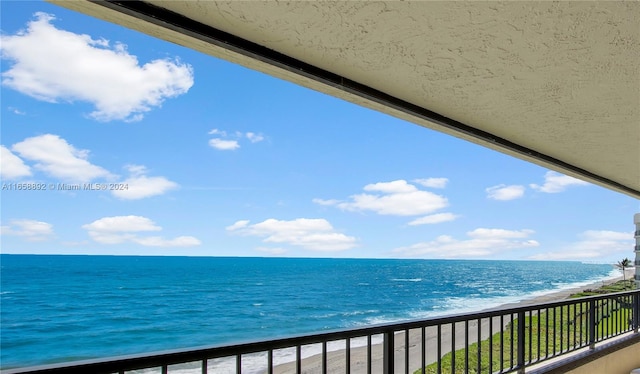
[[336, 359]]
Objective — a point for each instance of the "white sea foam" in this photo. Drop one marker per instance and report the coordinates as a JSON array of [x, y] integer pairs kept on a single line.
[[470, 304], [406, 279]]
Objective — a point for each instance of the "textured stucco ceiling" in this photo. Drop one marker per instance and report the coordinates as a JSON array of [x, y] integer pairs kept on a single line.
[[559, 80]]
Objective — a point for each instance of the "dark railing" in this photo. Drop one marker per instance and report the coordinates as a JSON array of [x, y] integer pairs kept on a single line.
[[493, 341]]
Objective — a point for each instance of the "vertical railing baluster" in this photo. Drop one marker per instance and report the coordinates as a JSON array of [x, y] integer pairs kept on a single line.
[[592, 324], [423, 363], [546, 340], [270, 362], [604, 320], [298, 359], [575, 328], [530, 335], [324, 357], [568, 323], [620, 317], [612, 317], [406, 351], [521, 341], [205, 369], [630, 301], [453, 347], [490, 345], [636, 312], [628, 315], [539, 334], [239, 364], [466, 346], [368, 355], [561, 328], [501, 342], [388, 352], [609, 317], [348, 356], [581, 341], [616, 318], [479, 366], [512, 341], [439, 349], [165, 369], [555, 330]]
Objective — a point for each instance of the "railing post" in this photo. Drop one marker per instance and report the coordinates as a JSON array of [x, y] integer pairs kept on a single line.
[[592, 324], [636, 312], [521, 341], [388, 352]]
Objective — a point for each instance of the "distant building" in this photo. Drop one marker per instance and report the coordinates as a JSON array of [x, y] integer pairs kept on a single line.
[[636, 220]]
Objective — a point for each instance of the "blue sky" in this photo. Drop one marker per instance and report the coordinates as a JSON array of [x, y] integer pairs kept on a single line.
[[219, 160]]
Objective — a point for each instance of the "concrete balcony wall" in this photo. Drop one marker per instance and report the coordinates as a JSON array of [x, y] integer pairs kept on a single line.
[[619, 362]]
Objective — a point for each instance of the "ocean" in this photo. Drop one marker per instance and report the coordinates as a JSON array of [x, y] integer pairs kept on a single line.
[[64, 308]]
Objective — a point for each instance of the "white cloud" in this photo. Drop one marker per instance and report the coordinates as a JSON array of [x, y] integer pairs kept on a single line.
[[229, 142], [399, 186], [238, 225], [59, 159], [119, 224], [140, 186], [121, 229], [326, 202], [30, 229], [433, 182], [313, 234], [556, 182], [481, 243], [54, 65], [17, 111], [504, 192], [397, 198], [592, 244], [433, 219], [254, 138], [156, 241], [224, 145], [12, 166], [492, 234]]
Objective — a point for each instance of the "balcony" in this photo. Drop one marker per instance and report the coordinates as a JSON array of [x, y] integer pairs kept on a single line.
[[495, 341]]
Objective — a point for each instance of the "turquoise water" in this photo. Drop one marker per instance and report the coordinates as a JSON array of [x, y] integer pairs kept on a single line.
[[62, 308]]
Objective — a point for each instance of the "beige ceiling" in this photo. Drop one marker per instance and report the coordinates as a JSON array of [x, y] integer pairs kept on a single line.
[[554, 83]]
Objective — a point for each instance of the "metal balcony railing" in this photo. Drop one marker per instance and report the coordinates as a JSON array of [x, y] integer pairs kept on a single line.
[[494, 341]]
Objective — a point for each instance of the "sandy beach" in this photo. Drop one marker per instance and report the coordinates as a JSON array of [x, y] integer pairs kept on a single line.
[[336, 359]]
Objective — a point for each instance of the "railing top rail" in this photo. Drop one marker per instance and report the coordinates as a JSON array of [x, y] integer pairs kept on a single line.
[[170, 357]]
